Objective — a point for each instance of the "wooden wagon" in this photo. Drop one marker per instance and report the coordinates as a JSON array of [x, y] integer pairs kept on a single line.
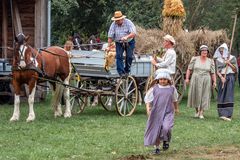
[[91, 79]]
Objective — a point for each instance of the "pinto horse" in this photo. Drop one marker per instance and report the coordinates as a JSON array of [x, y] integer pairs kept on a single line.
[[29, 64], [77, 41]]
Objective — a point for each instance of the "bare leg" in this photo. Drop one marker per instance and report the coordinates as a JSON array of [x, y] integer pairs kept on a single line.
[[201, 113], [197, 112]]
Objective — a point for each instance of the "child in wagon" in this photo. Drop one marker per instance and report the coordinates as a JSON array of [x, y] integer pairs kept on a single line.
[[160, 101]]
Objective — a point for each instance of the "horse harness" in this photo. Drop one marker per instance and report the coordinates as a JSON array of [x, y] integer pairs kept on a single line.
[[33, 60]]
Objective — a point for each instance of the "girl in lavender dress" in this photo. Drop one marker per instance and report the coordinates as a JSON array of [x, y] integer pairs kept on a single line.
[[161, 99]]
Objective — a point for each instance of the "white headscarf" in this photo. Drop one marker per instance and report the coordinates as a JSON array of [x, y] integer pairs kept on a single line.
[[217, 54], [163, 73]]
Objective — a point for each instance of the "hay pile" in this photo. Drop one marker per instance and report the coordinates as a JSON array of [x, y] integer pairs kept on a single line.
[[173, 8], [187, 43], [149, 40], [173, 16]]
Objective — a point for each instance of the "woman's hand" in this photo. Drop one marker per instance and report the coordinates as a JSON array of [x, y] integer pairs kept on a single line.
[[227, 62], [187, 81], [214, 84]]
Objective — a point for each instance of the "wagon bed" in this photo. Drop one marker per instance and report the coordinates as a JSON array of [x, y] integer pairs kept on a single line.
[[91, 64]]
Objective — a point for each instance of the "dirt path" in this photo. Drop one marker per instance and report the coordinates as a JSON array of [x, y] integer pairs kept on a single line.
[[203, 153]]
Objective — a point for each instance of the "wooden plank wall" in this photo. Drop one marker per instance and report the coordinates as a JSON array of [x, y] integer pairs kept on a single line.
[[31, 18], [41, 23], [26, 10]]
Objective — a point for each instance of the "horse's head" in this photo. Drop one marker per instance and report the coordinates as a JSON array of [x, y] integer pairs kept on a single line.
[[21, 49], [77, 40]]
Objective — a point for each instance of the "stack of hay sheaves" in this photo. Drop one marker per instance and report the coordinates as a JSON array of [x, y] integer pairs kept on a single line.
[[187, 43]]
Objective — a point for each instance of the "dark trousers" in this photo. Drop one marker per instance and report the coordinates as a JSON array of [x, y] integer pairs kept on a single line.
[[128, 47]]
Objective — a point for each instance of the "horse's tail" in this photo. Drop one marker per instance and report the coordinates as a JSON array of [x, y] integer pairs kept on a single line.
[[57, 95]]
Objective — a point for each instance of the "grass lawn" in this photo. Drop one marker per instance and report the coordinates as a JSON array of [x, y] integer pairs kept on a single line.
[[98, 134]]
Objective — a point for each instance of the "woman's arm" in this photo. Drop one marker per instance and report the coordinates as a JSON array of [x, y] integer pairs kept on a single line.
[[214, 79], [187, 76], [231, 65], [221, 77]]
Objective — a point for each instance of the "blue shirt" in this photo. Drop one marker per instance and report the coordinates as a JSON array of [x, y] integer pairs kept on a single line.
[[116, 32]]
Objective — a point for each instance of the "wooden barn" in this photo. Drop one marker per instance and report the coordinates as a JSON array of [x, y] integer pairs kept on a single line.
[[31, 17]]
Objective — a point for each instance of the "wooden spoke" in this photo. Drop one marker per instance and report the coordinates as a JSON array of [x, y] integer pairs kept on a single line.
[[77, 101], [107, 102]]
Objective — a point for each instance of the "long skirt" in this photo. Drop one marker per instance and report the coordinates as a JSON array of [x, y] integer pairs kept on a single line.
[[225, 99]]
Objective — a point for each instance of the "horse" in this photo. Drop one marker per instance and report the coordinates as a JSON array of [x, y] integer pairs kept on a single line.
[[77, 41], [30, 65], [93, 40]]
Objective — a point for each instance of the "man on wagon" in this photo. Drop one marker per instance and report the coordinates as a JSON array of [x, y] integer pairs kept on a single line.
[[122, 31]]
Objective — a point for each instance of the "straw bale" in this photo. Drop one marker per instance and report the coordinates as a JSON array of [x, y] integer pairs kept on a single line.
[[187, 43], [148, 40], [110, 57], [172, 25]]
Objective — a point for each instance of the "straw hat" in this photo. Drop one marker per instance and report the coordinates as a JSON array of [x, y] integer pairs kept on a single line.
[[169, 38], [117, 16]]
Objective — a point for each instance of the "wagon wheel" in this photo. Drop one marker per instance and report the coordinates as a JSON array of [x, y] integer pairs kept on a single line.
[[148, 83], [107, 102], [179, 83], [77, 101], [126, 96]]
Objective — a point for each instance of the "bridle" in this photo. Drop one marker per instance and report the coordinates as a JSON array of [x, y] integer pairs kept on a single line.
[[22, 64], [21, 52]]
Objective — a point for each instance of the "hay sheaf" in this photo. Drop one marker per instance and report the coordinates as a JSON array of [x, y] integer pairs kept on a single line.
[[173, 8], [187, 43]]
